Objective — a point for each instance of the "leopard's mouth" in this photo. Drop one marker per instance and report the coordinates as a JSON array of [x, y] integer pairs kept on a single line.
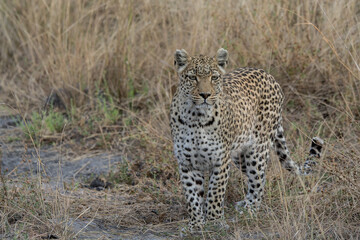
[[203, 105], [204, 102]]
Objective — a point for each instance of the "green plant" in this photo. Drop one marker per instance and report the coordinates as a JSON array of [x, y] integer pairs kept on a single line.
[[123, 175], [54, 121], [107, 107], [111, 114], [32, 127], [45, 122]]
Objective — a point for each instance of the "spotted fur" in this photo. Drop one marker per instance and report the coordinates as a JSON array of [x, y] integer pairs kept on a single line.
[[216, 117]]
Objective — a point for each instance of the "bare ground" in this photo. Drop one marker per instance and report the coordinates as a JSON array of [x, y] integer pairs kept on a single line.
[[60, 169]]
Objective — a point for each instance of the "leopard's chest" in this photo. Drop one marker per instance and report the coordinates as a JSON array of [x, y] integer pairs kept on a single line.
[[199, 146]]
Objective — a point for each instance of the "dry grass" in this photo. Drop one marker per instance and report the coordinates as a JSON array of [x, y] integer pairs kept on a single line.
[[122, 51]]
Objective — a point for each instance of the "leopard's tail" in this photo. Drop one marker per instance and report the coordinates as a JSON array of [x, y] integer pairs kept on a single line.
[[284, 155]]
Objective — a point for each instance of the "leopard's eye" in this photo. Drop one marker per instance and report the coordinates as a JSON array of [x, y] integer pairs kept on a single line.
[[192, 77], [214, 78]]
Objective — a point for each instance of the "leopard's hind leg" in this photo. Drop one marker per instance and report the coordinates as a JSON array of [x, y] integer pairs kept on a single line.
[[253, 161]]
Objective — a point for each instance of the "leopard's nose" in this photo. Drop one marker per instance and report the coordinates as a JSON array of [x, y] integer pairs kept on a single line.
[[204, 95]]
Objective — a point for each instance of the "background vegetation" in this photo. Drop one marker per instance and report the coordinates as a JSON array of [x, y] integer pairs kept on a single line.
[[107, 67]]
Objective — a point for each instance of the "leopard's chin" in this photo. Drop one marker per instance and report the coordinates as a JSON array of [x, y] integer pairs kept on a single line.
[[203, 105]]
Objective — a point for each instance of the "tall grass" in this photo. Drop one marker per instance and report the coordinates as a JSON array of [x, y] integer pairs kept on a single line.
[[125, 48]]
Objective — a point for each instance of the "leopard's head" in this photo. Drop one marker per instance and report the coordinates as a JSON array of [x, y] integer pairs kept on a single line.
[[200, 76]]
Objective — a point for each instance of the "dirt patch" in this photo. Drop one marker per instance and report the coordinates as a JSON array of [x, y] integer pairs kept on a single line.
[[62, 170], [51, 162]]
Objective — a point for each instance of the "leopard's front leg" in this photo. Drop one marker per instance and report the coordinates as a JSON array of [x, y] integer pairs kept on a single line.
[[193, 185], [216, 192]]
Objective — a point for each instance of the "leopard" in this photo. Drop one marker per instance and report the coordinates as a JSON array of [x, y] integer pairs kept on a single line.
[[217, 118]]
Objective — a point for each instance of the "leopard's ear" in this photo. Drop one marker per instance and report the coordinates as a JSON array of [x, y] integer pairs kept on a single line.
[[181, 60], [222, 57]]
